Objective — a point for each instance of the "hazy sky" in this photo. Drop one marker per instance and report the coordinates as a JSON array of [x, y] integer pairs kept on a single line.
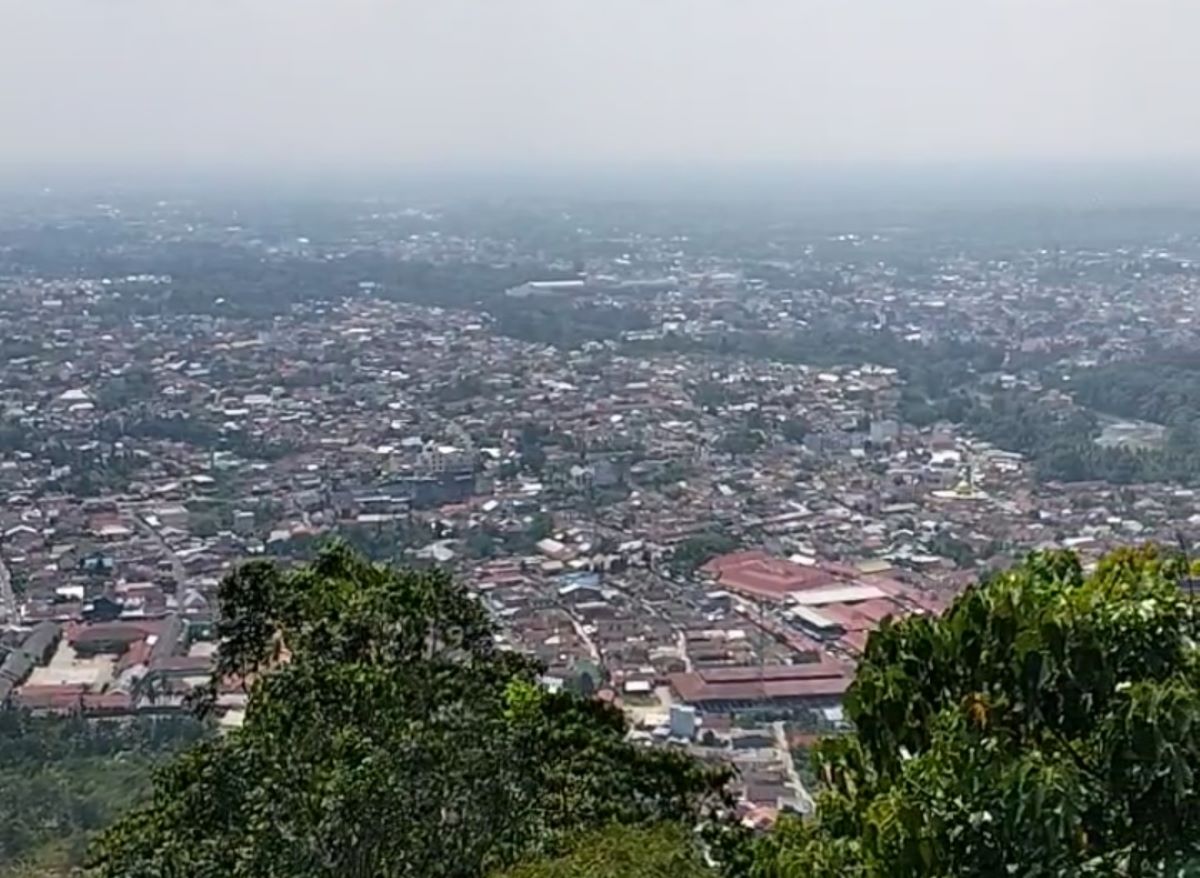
[[382, 82]]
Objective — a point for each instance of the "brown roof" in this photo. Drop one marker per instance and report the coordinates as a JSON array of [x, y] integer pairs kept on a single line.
[[124, 630], [107, 702], [812, 680], [61, 689], [65, 610], [201, 664]]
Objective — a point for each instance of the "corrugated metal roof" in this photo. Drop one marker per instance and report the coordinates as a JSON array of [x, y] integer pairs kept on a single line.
[[39, 642], [837, 594], [16, 667], [811, 617]]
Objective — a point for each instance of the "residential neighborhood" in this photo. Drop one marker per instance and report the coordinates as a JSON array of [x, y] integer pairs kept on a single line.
[[697, 503]]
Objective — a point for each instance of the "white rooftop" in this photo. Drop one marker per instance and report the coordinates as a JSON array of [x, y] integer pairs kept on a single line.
[[837, 594]]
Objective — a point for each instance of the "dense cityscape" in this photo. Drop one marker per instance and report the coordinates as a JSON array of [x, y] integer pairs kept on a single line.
[[687, 458], [674, 439]]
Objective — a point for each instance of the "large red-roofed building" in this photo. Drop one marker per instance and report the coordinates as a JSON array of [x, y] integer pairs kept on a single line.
[[721, 690], [828, 606], [757, 575]]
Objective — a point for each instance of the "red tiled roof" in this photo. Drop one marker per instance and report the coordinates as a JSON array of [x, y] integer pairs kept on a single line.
[[39, 690], [886, 584], [862, 615], [855, 641], [875, 611], [930, 603], [757, 574], [733, 559], [137, 654], [59, 698]]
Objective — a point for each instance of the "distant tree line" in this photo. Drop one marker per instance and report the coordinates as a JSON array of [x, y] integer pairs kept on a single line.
[[933, 368], [1061, 444], [1164, 388], [62, 779], [565, 324], [693, 552]]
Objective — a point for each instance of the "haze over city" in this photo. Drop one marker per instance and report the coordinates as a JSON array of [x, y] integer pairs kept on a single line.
[[306, 83]]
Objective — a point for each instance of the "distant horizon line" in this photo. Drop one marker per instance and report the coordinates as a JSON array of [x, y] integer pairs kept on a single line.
[[1160, 179], [542, 165]]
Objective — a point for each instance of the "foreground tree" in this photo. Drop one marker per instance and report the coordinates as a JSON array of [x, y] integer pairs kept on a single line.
[[386, 736], [664, 851], [1047, 724]]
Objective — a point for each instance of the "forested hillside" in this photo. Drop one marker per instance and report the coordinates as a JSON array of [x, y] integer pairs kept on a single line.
[[63, 779]]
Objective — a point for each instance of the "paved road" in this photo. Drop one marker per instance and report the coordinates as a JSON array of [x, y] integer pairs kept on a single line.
[[577, 624], [176, 565], [681, 648], [8, 600], [789, 764]]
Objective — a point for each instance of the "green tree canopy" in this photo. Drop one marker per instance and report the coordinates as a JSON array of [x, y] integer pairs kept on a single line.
[[697, 550], [1047, 724], [63, 778], [664, 851], [387, 736]]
